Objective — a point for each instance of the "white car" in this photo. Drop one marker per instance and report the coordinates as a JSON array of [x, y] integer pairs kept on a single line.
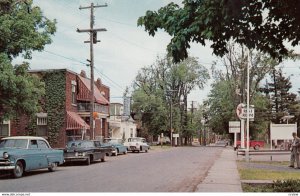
[[137, 144]]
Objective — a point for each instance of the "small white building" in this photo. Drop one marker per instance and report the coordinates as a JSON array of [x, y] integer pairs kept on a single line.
[[120, 126]]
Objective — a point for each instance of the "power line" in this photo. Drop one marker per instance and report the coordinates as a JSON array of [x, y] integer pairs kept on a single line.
[[68, 58], [117, 85]]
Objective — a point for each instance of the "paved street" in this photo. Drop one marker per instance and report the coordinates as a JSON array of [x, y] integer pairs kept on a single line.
[[173, 170]]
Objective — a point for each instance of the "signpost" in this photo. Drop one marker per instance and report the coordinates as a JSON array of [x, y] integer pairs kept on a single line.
[[176, 135], [234, 127], [241, 112]]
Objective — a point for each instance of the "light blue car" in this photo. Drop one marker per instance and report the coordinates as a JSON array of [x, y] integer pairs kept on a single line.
[[26, 153], [116, 144]]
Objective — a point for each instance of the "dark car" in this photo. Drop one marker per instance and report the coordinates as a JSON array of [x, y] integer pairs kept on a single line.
[[84, 151]]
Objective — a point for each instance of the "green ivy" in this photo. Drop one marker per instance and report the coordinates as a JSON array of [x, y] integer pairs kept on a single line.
[[31, 128], [55, 85]]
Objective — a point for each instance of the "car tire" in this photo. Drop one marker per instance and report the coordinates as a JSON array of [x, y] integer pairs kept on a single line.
[[117, 151], [256, 147], [19, 170], [103, 159], [88, 161], [52, 167], [125, 152]]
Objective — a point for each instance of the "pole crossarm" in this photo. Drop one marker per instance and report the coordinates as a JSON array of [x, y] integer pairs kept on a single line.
[[90, 30], [89, 7]]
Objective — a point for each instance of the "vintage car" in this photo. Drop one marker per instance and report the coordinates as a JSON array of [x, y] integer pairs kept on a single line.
[[84, 150], [136, 144], [117, 145], [26, 153]]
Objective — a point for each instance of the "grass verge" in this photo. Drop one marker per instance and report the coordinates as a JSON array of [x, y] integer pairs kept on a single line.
[[260, 174]]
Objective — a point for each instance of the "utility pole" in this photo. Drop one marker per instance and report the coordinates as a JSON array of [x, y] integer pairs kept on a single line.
[[192, 111], [93, 40]]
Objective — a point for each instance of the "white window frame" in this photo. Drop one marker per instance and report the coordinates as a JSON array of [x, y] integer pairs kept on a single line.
[[73, 91], [41, 119]]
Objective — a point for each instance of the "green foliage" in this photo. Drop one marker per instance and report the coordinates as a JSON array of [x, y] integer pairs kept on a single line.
[[23, 29], [257, 188], [289, 185], [256, 24], [158, 85], [282, 102], [19, 91], [55, 103], [221, 106]]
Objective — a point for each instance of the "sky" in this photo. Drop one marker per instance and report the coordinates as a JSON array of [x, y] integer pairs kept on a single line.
[[124, 47]]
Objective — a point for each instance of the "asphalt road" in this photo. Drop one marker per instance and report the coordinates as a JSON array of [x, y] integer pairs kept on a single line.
[[178, 169]]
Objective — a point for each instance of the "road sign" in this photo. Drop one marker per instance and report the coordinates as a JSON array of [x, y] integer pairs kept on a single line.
[[244, 113], [234, 126], [239, 109], [175, 134]]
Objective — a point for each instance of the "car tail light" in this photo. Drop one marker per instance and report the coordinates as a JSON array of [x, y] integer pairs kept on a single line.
[[5, 155]]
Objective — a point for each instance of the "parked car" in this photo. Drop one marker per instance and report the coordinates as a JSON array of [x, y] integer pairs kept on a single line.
[[117, 145], [84, 151], [108, 149], [222, 143], [26, 153], [136, 144], [253, 143]]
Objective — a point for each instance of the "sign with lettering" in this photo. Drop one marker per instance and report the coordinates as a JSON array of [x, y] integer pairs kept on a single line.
[[244, 113], [234, 126]]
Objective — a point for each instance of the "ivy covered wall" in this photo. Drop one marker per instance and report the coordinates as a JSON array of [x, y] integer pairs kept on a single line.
[[55, 85]]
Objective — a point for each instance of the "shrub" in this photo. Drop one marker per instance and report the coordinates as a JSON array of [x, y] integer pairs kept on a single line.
[[286, 185]]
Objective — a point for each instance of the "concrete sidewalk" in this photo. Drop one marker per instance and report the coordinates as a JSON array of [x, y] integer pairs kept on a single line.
[[223, 176]]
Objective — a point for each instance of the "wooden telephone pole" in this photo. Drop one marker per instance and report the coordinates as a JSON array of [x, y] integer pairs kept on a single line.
[[93, 40]]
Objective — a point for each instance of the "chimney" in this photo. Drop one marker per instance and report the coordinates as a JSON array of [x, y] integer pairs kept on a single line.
[[99, 83], [83, 74]]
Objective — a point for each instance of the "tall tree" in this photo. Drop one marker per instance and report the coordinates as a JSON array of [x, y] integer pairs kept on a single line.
[[167, 83], [23, 29], [261, 25], [282, 101]]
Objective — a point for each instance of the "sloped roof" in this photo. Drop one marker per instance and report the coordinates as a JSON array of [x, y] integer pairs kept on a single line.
[[99, 98]]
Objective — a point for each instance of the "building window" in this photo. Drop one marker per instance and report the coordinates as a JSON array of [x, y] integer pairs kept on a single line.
[[73, 82], [4, 129], [41, 122]]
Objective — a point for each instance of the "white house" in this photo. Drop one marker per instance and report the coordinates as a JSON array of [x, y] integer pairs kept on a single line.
[[120, 126]]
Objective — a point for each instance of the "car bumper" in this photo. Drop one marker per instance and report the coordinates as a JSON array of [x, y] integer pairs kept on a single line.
[[75, 159], [132, 148], [10, 167]]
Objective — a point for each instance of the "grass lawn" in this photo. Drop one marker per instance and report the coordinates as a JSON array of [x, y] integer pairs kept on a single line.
[[260, 174], [264, 174], [286, 163]]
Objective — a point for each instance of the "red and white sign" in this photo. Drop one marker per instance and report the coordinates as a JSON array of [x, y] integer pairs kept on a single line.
[[239, 110]]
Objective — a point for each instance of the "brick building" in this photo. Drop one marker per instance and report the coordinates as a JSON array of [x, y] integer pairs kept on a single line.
[[65, 109]]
